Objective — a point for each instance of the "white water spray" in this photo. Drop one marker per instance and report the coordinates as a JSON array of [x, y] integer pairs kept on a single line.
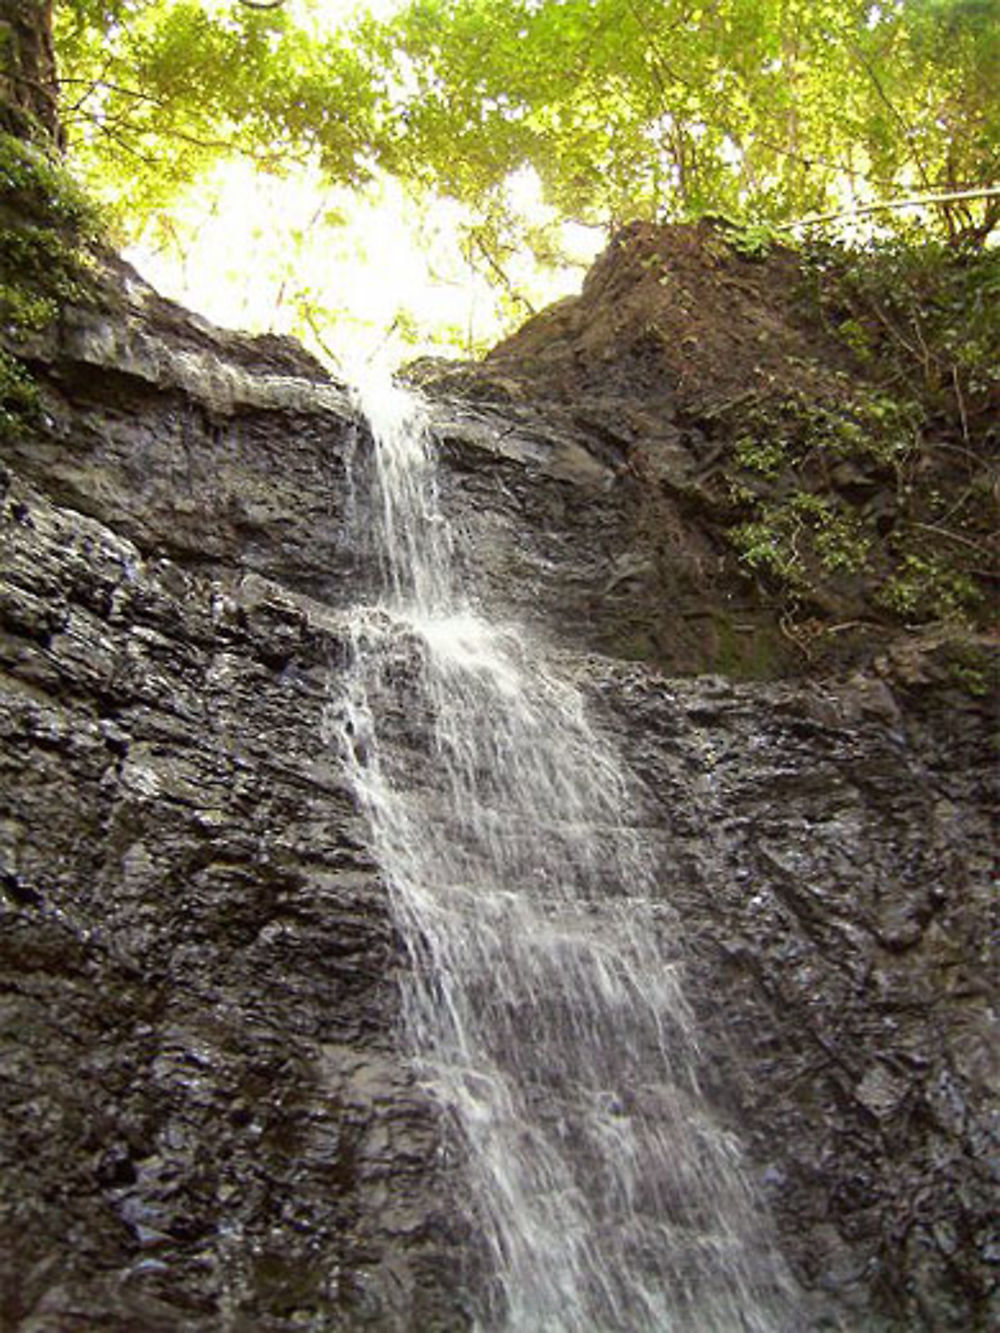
[[543, 1005]]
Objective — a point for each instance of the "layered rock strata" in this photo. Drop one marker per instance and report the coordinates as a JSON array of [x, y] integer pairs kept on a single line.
[[208, 1120]]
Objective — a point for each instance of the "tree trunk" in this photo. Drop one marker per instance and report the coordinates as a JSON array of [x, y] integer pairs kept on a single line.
[[28, 105]]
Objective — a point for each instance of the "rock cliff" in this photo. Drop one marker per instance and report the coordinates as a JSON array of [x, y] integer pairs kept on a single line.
[[208, 1121]]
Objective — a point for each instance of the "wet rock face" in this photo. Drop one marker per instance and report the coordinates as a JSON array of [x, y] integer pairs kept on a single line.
[[571, 542], [829, 848], [207, 1117], [205, 1108]]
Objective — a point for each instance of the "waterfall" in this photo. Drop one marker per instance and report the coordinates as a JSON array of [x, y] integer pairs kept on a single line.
[[543, 1006]]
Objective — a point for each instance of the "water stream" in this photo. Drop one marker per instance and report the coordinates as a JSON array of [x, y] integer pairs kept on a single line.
[[543, 1004]]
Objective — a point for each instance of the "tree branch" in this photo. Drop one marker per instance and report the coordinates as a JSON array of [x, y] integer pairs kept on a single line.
[[954, 537], [505, 281], [94, 84], [911, 201], [904, 128]]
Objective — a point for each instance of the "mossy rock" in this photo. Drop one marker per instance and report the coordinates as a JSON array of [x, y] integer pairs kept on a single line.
[[34, 187], [48, 229], [20, 405]]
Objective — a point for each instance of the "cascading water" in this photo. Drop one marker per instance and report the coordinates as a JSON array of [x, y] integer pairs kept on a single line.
[[543, 1005]]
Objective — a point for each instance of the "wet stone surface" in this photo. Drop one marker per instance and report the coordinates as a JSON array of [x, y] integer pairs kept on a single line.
[[207, 1120], [831, 861], [206, 1117]]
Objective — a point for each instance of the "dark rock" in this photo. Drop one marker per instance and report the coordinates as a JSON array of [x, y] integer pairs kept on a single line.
[[834, 885], [207, 1117]]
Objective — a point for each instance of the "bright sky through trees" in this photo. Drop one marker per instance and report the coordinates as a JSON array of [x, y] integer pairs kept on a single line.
[[431, 166], [355, 274]]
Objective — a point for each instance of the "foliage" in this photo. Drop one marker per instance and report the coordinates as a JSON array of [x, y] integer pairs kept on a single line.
[[799, 532], [155, 91], [972, 666], [925, 319], [882, 494], [795, 431], [754, 241], [38, 272], [40, 190], [925, 316], [759, 109], [19, 400], [45, 224], [762, 110], [929, 587]]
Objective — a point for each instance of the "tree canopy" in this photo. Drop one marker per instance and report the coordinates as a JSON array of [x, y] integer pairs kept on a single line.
[[762, 110], [154, 91], [527, 116]]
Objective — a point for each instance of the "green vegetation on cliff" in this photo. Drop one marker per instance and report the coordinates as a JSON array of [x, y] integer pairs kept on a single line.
[[883, 494], [45, 222], [48, 227]]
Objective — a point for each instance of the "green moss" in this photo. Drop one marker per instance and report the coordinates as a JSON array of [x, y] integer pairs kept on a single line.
[[973, 667], [46, 228], [748, 653], [24, 311], [46, 224], [35, 188], [40, 270], [634, 643], [19, 399]]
